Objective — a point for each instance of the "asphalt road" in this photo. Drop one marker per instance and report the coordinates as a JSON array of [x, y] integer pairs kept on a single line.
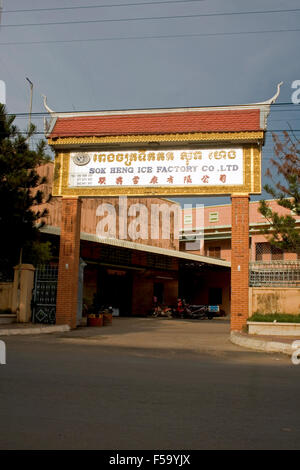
[[68, 392]]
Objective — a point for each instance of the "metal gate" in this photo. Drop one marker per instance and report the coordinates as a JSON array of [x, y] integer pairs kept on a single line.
[[44, 294]]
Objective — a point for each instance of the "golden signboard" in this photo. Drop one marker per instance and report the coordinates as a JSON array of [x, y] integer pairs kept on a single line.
[[168, 171]]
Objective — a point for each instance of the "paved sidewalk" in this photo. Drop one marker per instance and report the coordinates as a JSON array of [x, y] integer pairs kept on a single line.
[[266, 343], [30, 329]]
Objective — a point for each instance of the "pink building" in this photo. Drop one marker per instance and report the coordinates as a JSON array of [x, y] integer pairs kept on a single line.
[[217, 232]]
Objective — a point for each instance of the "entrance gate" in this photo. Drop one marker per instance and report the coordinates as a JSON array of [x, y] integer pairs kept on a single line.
[[44, 294], [171, 152]]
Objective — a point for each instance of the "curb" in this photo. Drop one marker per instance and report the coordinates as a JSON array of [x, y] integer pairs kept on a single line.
[[261, 345], [34, 331]]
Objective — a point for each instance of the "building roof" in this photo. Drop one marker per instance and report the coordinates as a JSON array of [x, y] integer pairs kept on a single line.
[[237, 118], [158, 123], [144, 248]]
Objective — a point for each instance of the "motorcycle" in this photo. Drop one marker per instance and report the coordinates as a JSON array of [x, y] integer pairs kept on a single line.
[[179, 310], [184, 310], [200, 312], [162, 311]]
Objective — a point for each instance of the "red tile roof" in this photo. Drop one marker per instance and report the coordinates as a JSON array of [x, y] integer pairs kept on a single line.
[[158, 123]]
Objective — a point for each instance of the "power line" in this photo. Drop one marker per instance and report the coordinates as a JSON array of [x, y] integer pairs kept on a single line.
[[103, 6], [110, 20], [42, 115], [251, 105], [171, 36], [286, 119]]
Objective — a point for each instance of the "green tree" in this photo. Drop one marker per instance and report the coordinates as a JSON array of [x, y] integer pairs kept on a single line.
[[283, 231], [19, 180]]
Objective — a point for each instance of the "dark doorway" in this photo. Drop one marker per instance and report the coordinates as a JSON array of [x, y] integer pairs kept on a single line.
[[158, 292], [215, 296], [114, 288]]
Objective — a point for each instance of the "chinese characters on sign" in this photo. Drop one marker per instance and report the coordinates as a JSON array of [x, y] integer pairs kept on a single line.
[[185, 167]]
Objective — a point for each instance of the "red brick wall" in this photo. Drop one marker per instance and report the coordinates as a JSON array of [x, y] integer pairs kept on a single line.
[[67, 287], [89, 219], [240, 262]]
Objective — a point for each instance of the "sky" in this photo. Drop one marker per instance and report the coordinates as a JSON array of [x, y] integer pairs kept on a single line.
[[207, 61]]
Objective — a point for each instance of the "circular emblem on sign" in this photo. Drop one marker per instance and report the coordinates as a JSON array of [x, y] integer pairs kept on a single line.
[[81, 159]]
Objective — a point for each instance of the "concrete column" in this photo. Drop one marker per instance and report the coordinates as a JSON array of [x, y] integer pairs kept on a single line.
[[68, 268], [239, 261], [22, 292]]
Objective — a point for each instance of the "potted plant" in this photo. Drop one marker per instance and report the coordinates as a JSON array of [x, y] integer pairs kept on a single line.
[[107, 316], [95, 319]]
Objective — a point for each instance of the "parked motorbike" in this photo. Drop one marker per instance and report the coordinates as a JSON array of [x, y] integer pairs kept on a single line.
[[162, 311], [184, 310], [179, 310], [201, 312]]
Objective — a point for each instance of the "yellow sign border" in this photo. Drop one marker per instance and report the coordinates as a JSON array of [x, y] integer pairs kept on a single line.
[[251, 184]]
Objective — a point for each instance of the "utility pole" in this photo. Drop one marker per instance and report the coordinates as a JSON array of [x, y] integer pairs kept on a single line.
[[30, 104], [1, 8], [21, 250]]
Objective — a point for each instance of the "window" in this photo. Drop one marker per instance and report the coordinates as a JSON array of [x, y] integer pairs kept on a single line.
[[214, 252], [188, 219], [276, 253], [266, 252], [214, 216], [158, 261], [260, 249]]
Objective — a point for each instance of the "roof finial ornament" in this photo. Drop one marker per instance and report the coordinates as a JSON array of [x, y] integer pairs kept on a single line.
[[46, 106], [274, 98], [46, 125]]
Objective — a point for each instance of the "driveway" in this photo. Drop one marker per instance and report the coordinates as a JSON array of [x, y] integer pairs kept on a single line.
[[158, 334], [159, 337]]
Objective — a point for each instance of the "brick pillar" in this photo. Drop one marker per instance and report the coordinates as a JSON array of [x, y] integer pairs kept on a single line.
[[68, 269], [239, 261]]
